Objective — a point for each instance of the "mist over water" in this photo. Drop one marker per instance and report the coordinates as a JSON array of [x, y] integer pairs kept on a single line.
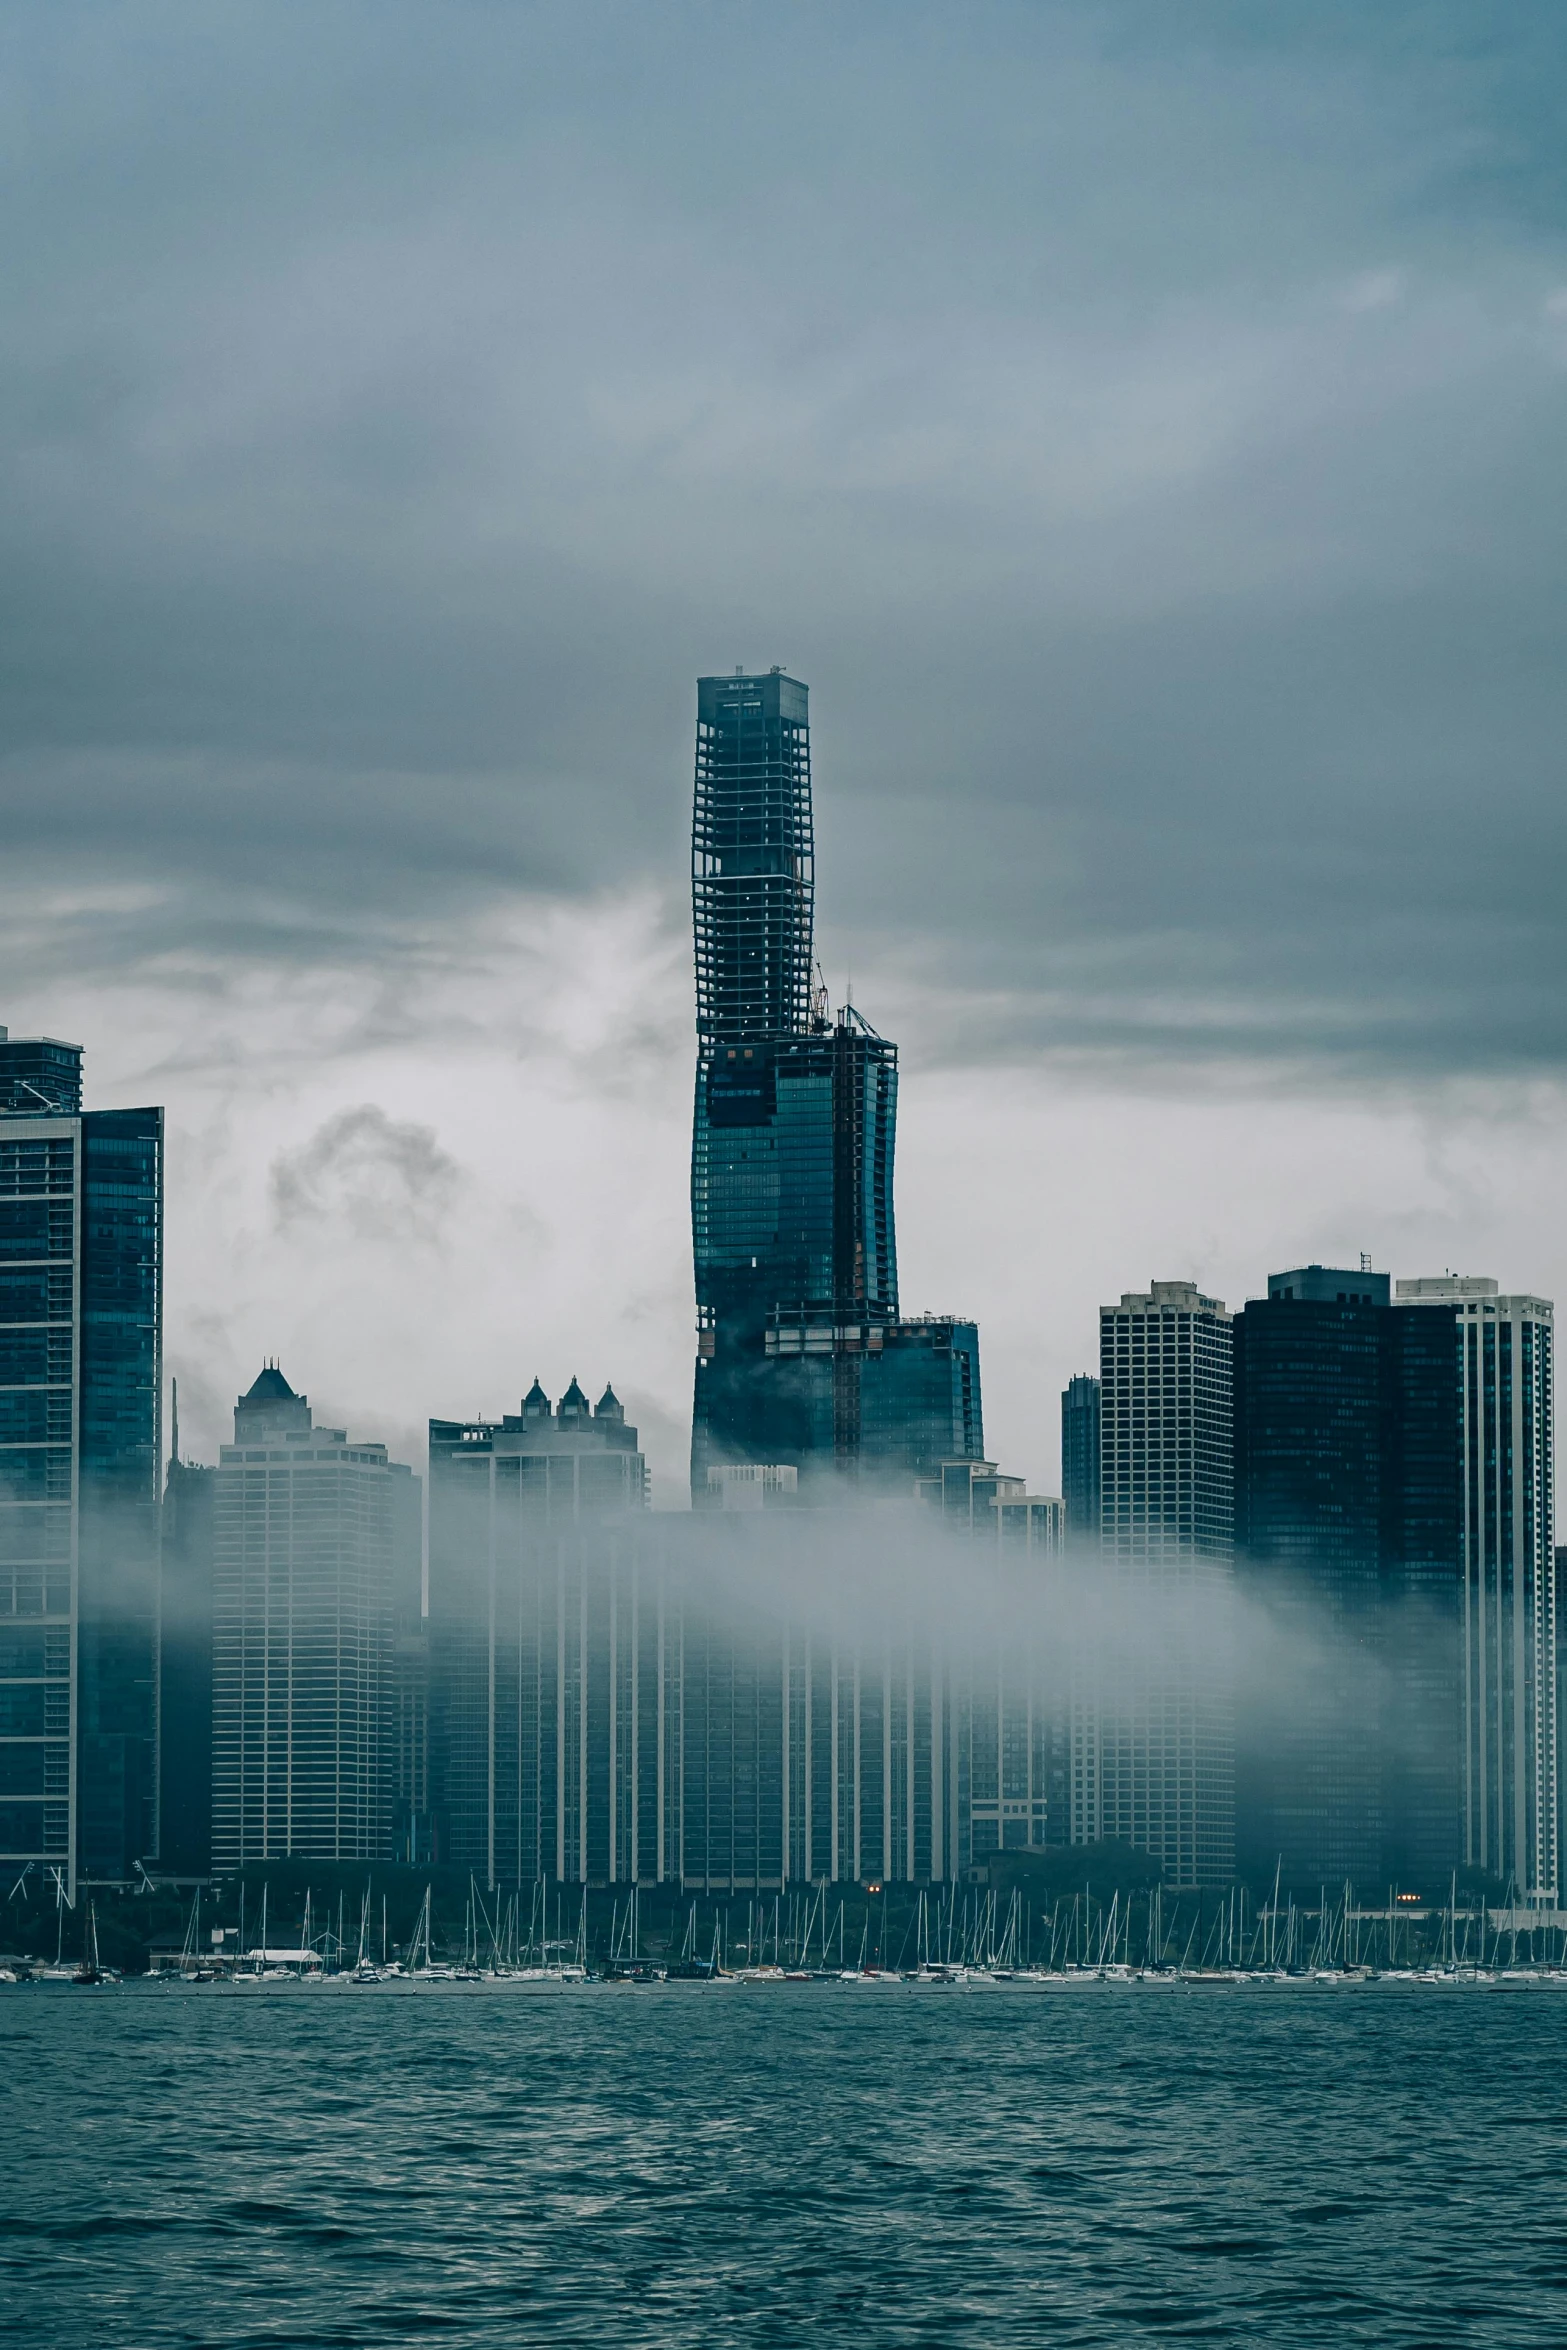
[[688, 2165]]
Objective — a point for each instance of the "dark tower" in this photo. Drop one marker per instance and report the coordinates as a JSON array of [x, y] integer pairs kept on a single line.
[[752, 859], [81, 1289], [1080, 1407], [1347, 1540], [801, 1356]]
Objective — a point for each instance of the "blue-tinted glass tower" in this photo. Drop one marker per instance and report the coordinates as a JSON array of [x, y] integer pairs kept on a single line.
[[1080, 1407], [802, 1354], [81, 1291], [1348, 1541]]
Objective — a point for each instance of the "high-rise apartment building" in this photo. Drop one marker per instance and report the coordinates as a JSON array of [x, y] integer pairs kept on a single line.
[[81, 1301], [306, 1532], [1080, 1457], [802, 1355], [1347, 1532], [1502, 1370], [1160, 1773]]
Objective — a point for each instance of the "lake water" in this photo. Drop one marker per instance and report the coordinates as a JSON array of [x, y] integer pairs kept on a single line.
[[817, 2163]]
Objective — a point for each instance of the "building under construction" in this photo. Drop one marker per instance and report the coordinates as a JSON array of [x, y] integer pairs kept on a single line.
[[802, 1354]]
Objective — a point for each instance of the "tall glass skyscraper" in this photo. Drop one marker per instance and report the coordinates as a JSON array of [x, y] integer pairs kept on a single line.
[[1080, 1457], [802, 1355], [81, 1330], [1334, 1466]]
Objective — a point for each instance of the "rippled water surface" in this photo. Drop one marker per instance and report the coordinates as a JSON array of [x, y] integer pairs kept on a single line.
[[820, 2162]]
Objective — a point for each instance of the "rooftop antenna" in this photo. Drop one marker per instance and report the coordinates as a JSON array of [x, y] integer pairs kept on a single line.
[[174, 1430]]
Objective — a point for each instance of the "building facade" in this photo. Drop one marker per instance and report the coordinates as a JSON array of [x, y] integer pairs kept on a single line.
[[1348, 1556], [305, 1559], [1505, 1412], [1080, 1457], [802, 1354], [695, 1700], [1017, 1696], [185, 1663], [1158, 1772], [541, 1668], [1310, 1502], [81, 1300]]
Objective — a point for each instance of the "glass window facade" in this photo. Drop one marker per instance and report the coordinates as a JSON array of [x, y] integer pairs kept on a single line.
[[304, 1607], [619, 1699], [801, 1357], [80, 1368], [1080, 1457], [1163, 1778]]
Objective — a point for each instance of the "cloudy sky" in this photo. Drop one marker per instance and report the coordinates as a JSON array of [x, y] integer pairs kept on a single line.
[[1142, 427]]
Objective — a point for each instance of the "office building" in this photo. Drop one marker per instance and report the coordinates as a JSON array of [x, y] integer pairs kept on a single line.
[[1011, 1669], [1080, 1457], [1310, 1503], [185, 1663], [1502, 1367], [81, 1299], [754, 1485], [1160, 1774], [409, 1725], [802, 1354], [305, 1592], [1348, 1558], [545, 1651], [690, 1700], [873, 1405]]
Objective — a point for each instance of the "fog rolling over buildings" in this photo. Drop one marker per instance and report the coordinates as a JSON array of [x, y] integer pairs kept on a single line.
[[1293, 1621]]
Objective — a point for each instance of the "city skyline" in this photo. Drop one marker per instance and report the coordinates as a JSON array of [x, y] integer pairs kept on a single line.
[[783, 1086], [1122, 440], [1391, 1483]]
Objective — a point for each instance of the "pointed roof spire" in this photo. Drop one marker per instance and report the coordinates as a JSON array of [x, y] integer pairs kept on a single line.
[[574, 1402], [609, 1406], [270, 1387], [535, 1404]]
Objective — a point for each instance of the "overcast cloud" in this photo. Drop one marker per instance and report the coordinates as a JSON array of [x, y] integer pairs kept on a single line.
[[1142, 428]]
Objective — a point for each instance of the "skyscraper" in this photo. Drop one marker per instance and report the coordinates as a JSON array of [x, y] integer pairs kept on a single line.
[[802, 1355], [1310, 1498], [185, 1663], [81, 1304], [546, 1645], [305, 1583], [1165, 1761], [1080, 1457], [752, 860], [1347, 1547], [1503, 1351]]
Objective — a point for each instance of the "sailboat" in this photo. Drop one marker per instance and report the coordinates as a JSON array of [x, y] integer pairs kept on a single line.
[[90, 1970]]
